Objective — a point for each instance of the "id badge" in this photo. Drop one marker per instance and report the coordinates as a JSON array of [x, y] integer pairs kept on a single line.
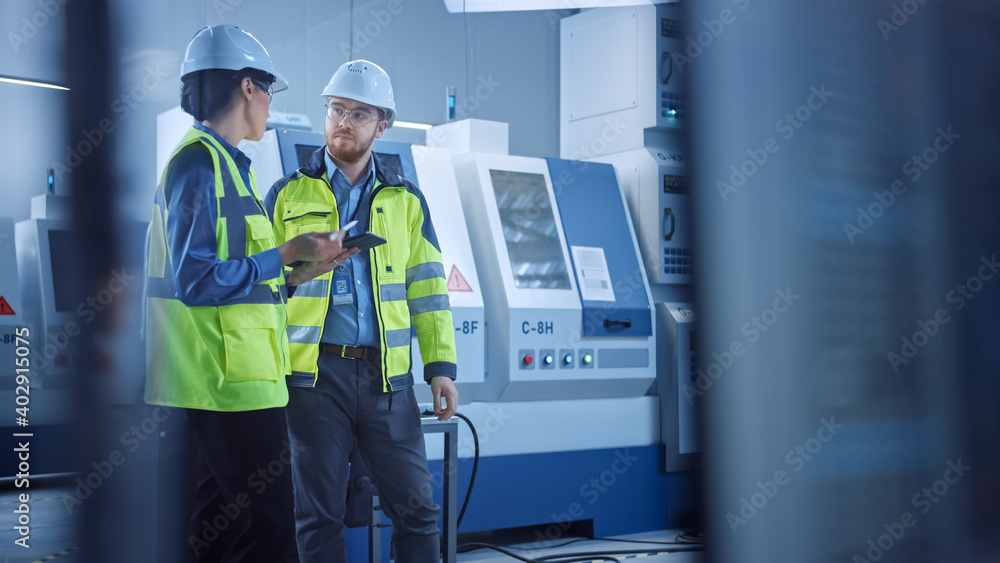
[[342, 293]]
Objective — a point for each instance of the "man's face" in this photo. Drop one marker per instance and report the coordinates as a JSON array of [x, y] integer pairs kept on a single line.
[[347, 139]]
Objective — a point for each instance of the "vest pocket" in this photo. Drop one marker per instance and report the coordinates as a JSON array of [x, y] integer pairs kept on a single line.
[[392, 255], [300, 214], [251, 348], [307, 224], [260, 237]]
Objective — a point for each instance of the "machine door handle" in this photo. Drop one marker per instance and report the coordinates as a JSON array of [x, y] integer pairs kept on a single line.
[[627, 323], [668, 214], [665, 78]]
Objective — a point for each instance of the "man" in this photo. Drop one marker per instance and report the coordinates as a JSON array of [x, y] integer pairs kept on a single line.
[[215, 302], [349, 330]]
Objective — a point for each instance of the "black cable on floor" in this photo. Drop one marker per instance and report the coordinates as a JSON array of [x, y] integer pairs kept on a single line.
[[560, 558], [475, 464], [601, 558], [691, 536], [475, 467], [677, 541], [466, 547], [573, 556], [578, 556]]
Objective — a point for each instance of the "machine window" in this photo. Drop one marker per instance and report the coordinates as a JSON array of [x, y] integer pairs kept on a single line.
[[304, 153], [392, 160], [529, 229]]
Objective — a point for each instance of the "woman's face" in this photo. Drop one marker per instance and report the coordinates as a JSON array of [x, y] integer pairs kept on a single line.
[[258, 110]]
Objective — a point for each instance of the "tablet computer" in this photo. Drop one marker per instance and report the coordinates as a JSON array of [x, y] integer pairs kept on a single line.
[[364, 241]]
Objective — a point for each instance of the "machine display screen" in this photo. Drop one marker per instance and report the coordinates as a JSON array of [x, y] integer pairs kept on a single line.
[[392, 160], [61, 254], [529, 229], [675, 184], [305, 152]]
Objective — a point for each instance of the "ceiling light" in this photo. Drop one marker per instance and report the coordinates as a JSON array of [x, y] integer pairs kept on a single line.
[[411, 125], [14, 80], [460, 6]]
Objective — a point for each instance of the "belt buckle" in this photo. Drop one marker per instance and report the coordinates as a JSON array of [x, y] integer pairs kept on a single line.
[[343, 352]]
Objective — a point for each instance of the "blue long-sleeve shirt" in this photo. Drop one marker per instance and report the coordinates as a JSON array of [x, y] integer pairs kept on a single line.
[[351, 322], [200, 278]]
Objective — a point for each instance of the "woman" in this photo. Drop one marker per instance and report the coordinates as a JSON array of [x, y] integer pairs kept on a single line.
[[216, 293]]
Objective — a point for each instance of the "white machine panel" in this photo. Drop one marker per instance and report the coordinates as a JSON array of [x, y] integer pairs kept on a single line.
[[655, 183], [536, 347], [621, 74], [611, 87], [171, 126], [436, 177], [680, 398], [265, 160]]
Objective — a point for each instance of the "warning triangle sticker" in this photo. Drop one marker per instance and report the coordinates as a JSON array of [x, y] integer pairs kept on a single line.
[[6, 310], [456, 281]]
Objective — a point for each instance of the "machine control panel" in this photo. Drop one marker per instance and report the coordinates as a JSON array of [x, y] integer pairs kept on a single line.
[[570, 302]]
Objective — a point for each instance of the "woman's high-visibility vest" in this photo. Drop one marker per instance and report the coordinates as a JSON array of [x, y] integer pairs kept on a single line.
[[233, 357]]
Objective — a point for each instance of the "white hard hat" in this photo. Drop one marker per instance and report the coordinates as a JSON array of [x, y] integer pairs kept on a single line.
[[228, 47], [366, 82]]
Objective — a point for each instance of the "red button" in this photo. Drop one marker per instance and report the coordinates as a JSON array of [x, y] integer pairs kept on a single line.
[[528, 359]]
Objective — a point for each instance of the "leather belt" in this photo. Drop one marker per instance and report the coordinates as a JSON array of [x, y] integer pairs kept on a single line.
[[353, 352]]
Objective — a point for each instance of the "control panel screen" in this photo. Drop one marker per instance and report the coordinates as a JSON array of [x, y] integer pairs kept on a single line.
[[529, 230], [392, 160], [304, 153], [675, 184]]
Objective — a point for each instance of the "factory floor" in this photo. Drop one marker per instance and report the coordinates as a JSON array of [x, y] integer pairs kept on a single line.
[[51, 538], [50, 527]]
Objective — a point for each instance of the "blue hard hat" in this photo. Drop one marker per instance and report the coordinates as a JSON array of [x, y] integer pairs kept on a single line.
[[228, 47]]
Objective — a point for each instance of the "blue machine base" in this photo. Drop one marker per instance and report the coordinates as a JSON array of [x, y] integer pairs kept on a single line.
[[622, 490]]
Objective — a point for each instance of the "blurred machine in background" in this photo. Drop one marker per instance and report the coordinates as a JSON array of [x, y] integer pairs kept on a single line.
[[45, 267], [46, 263], [57, 308], [623, 102], [41, 292], [11, 312]]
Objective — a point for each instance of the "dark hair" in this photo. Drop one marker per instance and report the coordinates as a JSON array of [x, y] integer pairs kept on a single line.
[[206, 93]]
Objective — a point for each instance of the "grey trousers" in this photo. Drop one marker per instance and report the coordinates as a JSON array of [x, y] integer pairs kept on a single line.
[[323, 421]]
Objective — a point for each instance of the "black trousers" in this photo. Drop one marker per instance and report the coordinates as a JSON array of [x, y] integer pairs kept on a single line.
[[243, 500], [348, 403]]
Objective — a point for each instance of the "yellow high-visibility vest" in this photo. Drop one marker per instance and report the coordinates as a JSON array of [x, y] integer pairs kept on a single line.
[[407, 275], [233, 357]]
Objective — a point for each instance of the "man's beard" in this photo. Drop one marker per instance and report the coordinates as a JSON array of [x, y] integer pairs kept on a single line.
[[351, 155]]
